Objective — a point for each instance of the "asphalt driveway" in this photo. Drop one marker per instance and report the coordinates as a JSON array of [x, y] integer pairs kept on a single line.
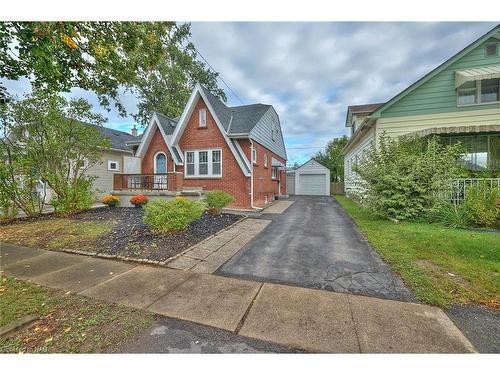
[[315, 244]]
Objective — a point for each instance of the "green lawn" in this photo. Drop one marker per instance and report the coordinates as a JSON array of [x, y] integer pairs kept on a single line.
[[68, 323], [441, 265]]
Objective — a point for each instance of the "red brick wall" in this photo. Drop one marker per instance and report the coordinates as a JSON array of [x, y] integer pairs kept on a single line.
[[157, 144], [264, 185], [233, 180]]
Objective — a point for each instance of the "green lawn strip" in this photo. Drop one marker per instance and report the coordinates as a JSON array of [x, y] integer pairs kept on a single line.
[[68, 323], [442, 265], [54, 233]]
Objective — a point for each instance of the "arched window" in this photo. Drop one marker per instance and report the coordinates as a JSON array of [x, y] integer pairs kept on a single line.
[[160, 163]]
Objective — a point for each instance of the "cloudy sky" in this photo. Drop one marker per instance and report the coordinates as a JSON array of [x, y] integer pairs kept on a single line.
[[311, 72]]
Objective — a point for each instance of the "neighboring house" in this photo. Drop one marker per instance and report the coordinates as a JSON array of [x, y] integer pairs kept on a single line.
[[311, 178], [210, 146], [459, 100]]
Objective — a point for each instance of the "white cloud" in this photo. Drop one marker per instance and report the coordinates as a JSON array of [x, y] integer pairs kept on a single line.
[[311, 72]]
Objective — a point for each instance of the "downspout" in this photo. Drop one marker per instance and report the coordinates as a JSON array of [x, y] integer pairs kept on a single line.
[[251, 177]]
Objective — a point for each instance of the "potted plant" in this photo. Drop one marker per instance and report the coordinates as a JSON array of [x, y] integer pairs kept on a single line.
[[139, 200], [110, 200]]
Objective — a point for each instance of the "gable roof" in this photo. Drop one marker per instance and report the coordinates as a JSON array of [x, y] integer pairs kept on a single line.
[[494, 32], [239, 119], [167, 124]]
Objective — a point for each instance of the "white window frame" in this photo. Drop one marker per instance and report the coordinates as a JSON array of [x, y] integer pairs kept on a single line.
[[117, 165], [202, 118], [254, 155], [478, 97], [196, 153]]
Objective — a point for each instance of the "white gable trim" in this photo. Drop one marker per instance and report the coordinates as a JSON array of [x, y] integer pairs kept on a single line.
[[312, 161], [186, 114], [148, 135]]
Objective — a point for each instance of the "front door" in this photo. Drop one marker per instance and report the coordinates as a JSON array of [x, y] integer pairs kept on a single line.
[[160, 182]]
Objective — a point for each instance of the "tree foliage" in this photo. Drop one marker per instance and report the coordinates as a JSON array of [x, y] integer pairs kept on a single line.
[[404, 177], [155, 60], [46, 139], [332, 158]]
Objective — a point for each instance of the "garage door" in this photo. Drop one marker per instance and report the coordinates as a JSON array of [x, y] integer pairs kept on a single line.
[[312, 184]]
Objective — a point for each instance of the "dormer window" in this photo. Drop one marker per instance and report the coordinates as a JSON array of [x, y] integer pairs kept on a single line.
[[202, 118], [491, 50]]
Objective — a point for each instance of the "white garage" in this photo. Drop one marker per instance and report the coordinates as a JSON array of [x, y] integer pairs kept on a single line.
[[310, 178]]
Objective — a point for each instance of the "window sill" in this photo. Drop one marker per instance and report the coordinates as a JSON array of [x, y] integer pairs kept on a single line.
[[476, 104], [203, 177]]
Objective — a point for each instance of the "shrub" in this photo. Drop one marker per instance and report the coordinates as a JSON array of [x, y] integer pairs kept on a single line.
[[404, 177], [454, 215], [481, 204], [78, 198], [139, 200], [174, 215], [216, 200], [110, 200]]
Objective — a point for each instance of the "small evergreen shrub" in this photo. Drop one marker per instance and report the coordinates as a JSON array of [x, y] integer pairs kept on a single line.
[[481, 204], [173, 215], [216, 200], [454, 215]]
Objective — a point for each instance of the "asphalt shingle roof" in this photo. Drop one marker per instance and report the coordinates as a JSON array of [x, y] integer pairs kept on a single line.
[[117, 138], [166, 123], [239, 119], [365, 108]]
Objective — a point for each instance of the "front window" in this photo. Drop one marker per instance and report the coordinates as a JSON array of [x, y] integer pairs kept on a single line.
[[490, 90], [113, 165], [482, 151], [467, 93], [190, 163], [204, 163]]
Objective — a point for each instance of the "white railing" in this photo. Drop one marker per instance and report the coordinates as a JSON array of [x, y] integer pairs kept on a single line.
[[458, 190]]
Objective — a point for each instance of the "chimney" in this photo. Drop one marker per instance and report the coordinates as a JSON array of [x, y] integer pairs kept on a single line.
[[134, 130]]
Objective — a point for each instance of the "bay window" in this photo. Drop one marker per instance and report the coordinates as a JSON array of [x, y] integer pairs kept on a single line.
[[204, 163]]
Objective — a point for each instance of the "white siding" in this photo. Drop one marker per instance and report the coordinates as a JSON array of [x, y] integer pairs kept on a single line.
[[131, 164], [262, 133], [396, 126], [351, 178], [104, 182]]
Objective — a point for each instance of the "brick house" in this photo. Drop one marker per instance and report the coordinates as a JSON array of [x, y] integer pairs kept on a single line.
[[210, 146]]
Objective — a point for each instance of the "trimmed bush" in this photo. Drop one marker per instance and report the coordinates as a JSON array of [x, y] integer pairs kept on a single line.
[[216, 200], [173, 215]]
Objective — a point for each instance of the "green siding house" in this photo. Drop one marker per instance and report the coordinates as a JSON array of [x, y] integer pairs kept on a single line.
[[459, 100]]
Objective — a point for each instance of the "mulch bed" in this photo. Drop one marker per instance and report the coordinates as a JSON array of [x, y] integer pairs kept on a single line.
[[130, 237]]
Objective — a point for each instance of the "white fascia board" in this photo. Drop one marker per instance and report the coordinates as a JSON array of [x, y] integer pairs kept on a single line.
[[146, 138], [243, 155]]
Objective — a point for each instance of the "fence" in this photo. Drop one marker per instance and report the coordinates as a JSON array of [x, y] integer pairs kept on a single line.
[[458, 190], [337, 188]]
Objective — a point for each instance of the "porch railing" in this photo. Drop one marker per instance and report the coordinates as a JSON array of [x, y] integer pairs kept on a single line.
[[141, 181], [458, 191]]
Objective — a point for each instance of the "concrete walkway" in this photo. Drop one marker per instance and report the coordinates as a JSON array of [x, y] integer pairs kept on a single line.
[[312, 320]]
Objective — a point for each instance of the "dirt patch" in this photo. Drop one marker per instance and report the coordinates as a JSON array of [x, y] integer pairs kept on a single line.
[[113, 231]]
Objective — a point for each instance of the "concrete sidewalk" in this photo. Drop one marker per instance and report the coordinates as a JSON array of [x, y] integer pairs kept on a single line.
[[312, 320]]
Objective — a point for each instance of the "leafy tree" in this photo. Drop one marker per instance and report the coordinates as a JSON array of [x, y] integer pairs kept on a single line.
[[405, 177], [46, 139], [333, 159], [154, 59]]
